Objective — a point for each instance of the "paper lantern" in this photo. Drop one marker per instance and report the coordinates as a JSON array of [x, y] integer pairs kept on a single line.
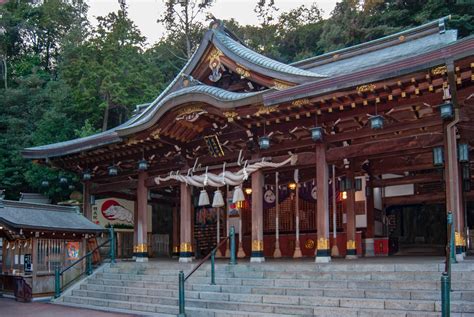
[[238, 195], [203, 198], [218, 199]]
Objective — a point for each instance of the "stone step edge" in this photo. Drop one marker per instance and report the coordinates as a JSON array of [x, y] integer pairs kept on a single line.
[[395, 289], [281, 288], [138, 312], [208, 300]]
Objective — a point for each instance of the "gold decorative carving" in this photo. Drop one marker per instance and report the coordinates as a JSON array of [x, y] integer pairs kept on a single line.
[[401, 38], [351, 245], [300, 102], [280, 85], [335, 56], [131, 141], [155, 134], [323, 244], [140, 248], [366, 88], [215, 64], [458, 239], [215, 54], [230, 115], [242, 71], [190, 113], [185, 247], [309, 244], [440, 70], [257, 245], [265, 110]]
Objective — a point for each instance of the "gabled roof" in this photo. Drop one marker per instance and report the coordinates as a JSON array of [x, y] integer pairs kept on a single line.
[[21, 215]]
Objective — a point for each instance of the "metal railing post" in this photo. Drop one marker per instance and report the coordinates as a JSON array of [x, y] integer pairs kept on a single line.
[[112, 244], [182, 313], [213, 268], [232, 246], [445, 296], [89, 264], [57, 282]]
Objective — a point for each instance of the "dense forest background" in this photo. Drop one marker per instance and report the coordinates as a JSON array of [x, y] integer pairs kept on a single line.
[[63, 78]]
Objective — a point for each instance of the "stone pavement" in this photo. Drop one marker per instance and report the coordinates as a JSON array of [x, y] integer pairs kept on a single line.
[[12, 308]]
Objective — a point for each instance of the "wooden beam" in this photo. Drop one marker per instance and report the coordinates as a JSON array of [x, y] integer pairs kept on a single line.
[[416, 179]]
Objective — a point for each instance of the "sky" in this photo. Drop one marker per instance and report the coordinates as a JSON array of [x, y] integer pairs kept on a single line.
[[145, 12]]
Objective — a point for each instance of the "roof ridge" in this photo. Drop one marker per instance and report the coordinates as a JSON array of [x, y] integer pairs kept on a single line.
[[31, 205]]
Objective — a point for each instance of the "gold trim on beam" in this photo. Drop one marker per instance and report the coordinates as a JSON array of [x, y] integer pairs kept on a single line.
[[265, 110], [300, 102], [257, 245], [440, 70], [366, 88], [230, 115], [280, 85], [242, 71]]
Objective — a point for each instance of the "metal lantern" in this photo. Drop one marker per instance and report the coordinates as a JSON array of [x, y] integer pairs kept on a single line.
[[87, 175], [45, 183], [113, 170], [342, 184], [292, 186], [446, 110], [63, 180], [248, 191], [463, 152], [71, 186], [143, 165], [358, 184], [438, 156], [466, 172], [317, 134], [264, 142], [376, 122]]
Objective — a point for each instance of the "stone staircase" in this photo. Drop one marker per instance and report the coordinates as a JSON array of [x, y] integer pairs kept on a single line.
[[283, 288]]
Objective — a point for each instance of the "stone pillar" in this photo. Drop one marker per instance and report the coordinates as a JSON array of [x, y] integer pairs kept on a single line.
[[351, 252], [277, 252], [86, 200], [185, 247], [257, 217], [369, 234], [323, 253], [140, 250]]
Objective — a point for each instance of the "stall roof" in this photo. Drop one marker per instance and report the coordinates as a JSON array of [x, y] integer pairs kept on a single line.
[[22, 215]]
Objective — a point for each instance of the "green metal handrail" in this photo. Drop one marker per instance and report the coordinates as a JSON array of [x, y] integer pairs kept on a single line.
[[446, 276], [88, 256], [182, 278]]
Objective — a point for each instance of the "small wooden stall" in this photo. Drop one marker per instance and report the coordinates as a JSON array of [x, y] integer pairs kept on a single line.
[[36, 239]]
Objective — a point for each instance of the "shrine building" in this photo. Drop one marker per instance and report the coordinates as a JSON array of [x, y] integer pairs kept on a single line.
[[357, 152]]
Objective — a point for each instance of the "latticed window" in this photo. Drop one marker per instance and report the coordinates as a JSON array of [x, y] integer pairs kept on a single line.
[[51, 253]]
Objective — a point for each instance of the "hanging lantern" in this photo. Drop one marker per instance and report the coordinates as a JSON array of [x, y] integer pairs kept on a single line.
[[317, 134], [248, 191], [143, 165], [344, 195], [218, 200], [466, 172], [45, 183], [292, 186], [63, 180], [438, 156], [87, 175], [264, 142], [238, 195], [376, 122], [446, 110], [342, 184], [358, 184], [113, 170], [466, 186], [203, 198], [463, 152], [71, 187]]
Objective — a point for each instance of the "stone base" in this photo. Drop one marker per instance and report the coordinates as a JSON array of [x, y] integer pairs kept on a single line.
[[141, 259], [368, 246], [257, 259], [323, 259], [351, 257], [185, 260]]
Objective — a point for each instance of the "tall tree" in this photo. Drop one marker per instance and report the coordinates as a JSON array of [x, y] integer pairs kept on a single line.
[[183, 18]]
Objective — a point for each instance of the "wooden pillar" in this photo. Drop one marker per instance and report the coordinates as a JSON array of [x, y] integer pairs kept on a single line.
[[86, 200], [175, 247], [277, 252], [186, 237], [141, 248], [135, 227], [351, 252], [257, 217], [369, 234], [323, 254], [297, 253]]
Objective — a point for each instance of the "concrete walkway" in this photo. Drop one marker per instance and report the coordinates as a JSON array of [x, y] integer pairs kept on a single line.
[[12, 308]]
